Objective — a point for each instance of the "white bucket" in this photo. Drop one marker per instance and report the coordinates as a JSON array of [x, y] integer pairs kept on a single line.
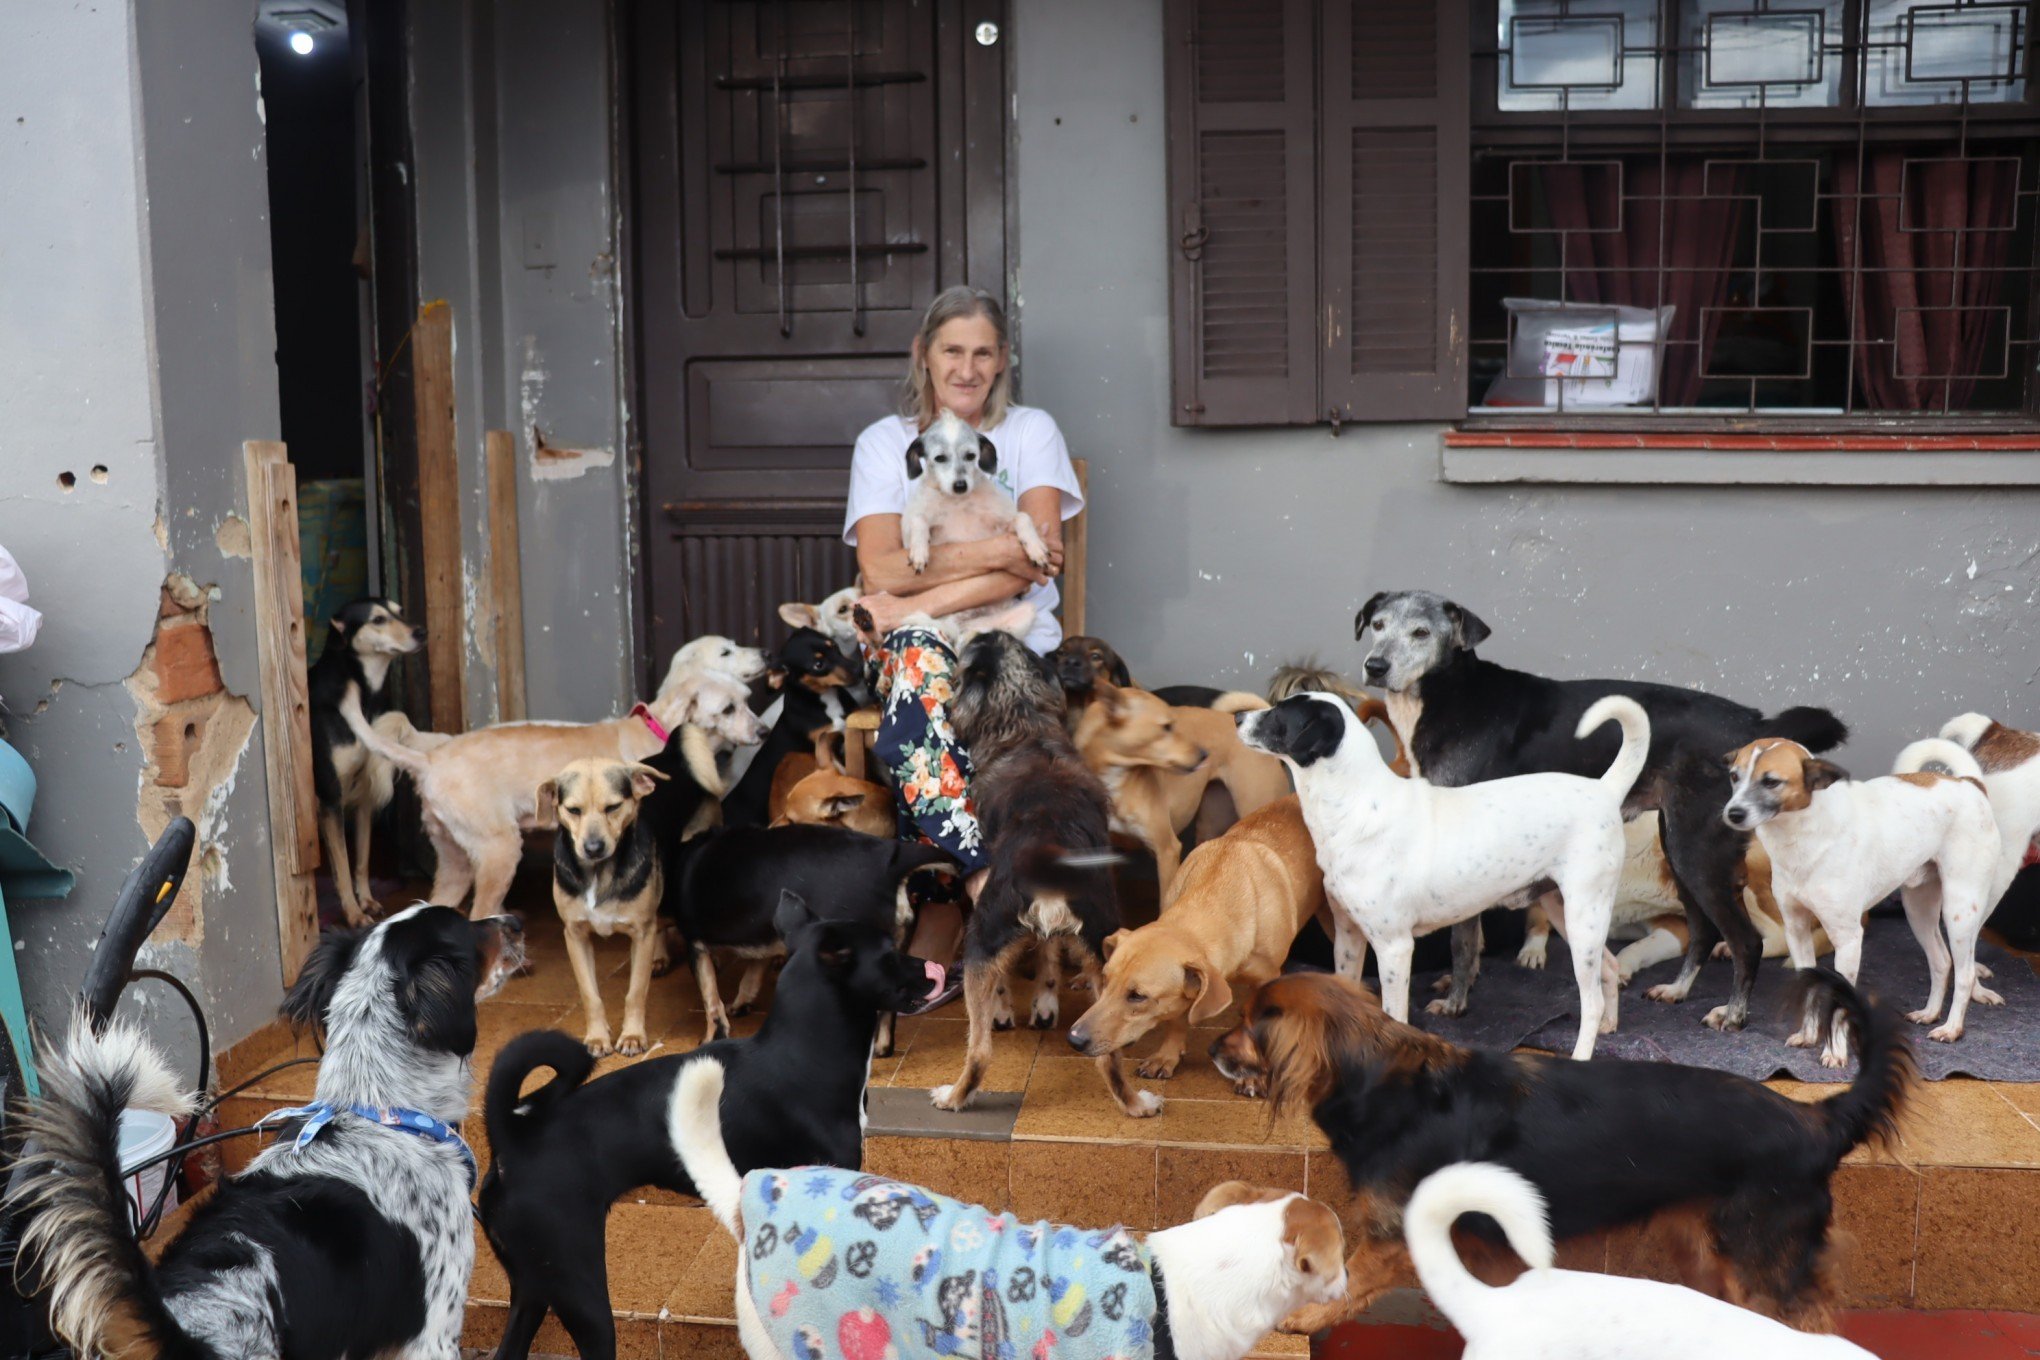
[[145, 1134]]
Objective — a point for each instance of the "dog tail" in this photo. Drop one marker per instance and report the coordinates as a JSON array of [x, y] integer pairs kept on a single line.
[[1301, 677], [1938, 755], [1967, 730], [1635, 723], [80, 1242], [1814, 728], [694, 1124], [1059, 868], [1471, 1188], [395, 752], [1238, 701], [1869, 1108], [508, 1114]]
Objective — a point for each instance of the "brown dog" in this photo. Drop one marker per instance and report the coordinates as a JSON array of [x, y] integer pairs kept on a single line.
[[607, 878], [825, 798], [1239, 904], [1157, 761]]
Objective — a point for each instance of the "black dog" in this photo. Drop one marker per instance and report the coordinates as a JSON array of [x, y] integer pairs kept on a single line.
[[350, 780], [723, 890], [795, 1096], [1047, 838], [815, 677], [1470, 720], [1608, 1142]]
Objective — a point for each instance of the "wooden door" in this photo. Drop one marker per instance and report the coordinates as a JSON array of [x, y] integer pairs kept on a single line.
[[806, 175]]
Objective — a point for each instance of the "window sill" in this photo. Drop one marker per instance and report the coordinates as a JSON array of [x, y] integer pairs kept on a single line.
[[1632, 458]]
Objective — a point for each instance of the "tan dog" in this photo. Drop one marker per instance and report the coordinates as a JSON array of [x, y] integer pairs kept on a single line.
[[826, 798], [479, 790], [1156, 762], [607, 878], [1239, 903]]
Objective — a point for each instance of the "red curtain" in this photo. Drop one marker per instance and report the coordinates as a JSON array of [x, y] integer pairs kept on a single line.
[[1903, 231], [1621, 267]]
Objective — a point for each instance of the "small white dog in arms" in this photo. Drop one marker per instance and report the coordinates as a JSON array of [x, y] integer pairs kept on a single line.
[[1404, 856], [1551, 1314], [1839, 846], [1206, 1290], [955, 497]]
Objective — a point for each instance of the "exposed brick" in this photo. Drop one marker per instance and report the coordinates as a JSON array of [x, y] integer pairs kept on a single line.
[[171, 743], [185, 666]]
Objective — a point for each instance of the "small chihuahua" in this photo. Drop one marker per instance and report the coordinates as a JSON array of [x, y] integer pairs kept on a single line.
[[607, 877]]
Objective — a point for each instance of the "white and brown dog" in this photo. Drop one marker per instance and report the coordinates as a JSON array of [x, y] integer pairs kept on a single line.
[[2009, 761], [954, 496], [1839, 846], [1404, 856]]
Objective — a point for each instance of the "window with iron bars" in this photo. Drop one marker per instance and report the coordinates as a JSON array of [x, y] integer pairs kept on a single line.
[[1753, 208]]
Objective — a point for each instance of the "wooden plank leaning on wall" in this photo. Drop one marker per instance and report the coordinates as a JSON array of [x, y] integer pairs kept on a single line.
[[439, 514], [286, 699]]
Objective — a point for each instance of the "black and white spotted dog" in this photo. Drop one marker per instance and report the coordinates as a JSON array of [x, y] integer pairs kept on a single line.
[[351, 1235]]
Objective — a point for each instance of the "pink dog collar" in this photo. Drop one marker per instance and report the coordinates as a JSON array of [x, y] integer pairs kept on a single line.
[[652, 724]]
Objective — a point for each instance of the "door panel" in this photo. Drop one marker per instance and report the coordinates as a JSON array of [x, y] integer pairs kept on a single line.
[[806, 175]]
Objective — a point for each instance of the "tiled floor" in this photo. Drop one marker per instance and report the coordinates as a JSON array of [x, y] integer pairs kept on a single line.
[[1949, 1219]]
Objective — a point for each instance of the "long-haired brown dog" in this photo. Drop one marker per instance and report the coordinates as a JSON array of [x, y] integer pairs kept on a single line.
[[1607, 1142]]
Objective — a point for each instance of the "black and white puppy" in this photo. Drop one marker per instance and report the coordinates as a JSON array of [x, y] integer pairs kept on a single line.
[[351, 1235], [353, 783], [560, 1156], [1463, 720]]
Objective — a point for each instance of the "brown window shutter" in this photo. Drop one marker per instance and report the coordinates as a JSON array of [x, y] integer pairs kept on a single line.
[[1392, 248], [1242, 211]]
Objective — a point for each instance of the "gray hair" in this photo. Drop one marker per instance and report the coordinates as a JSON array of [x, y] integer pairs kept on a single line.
[[917, 393]]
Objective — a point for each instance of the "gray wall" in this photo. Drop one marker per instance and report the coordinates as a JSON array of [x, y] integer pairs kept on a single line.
[[137, 336], [516, 211], [1217, 555]]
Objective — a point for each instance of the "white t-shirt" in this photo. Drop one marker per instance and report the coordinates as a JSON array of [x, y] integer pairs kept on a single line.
[[1031, 453]]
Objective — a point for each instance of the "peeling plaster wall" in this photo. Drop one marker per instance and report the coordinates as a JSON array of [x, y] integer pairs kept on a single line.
[[1217, 555], [137, 339], [516, 215]]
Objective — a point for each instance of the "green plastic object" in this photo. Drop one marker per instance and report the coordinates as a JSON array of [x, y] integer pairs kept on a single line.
[[26, 874], [333, 549]]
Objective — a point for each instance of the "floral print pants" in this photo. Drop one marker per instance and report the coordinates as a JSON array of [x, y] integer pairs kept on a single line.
[[930, 768]]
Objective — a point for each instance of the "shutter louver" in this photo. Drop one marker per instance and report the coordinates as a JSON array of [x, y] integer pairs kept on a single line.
[[1242, 196], [1395, 202]]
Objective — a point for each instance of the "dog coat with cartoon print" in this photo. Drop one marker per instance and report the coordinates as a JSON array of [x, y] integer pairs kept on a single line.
[[849, 1266]]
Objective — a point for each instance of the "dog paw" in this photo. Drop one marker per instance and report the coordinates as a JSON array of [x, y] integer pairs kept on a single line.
[[1446, 1005], [942, 1098], [1924, 1017], [1946, 1034], [1720, 950], [1531, 955], [917, 558], [740, 1010], [1802, 1040], [1440, 985], [1830, 1058], [1251, 1088], [1145, 1105], [1311, 1319], [1983, 971], [1984, 996], [1668, 992], [631, 1045], [1158, 1069], [598, 1045], [1724, 1018]]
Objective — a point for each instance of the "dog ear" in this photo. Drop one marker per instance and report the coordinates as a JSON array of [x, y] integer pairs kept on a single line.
[[800, 616], [1366, 614], [1228, 1194], [548, 803], [838, 805], [1314, 1236], [831, 950], [304, 1005], [436, 995], [988, 456], [337, 624], [914, 458], [1209, 991], [643, 779], [1818, 774], [791, 914], [1468, 631], [1112, 942], [1120, 675], [1111, 697], [775, 678], [1728, 761]]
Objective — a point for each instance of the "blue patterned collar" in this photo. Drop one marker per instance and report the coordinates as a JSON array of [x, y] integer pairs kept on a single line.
[[320, 1113]]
